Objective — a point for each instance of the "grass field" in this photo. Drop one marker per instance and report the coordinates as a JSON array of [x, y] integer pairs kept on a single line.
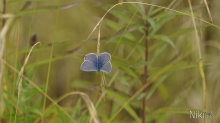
[[165, 57]]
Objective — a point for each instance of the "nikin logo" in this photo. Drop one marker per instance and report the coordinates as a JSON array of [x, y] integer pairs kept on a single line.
[[201, 115]]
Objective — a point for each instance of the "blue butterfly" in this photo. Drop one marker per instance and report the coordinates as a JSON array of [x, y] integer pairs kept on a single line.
[[92, 62]]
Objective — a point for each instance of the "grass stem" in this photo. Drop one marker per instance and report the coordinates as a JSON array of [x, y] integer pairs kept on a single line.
[[145, 76], [200, 59], [51, 54]]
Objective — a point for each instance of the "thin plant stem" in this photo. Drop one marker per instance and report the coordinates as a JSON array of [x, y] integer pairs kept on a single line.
[[208, 10], [51, 54], [145, 75], [200, 59], [16, 36], [2, 47]]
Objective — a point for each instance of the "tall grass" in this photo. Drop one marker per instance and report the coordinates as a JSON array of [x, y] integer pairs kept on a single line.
[[159, 56]]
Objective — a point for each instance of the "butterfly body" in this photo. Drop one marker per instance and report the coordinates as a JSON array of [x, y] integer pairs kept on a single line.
[[92, 62]]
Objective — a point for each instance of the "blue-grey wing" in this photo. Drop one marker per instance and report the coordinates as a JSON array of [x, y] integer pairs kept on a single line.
[[92, 57], [104, 58], [88, 66], [107, 67]]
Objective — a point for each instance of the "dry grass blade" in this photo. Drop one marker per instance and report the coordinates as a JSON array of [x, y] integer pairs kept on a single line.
[[19, 82], [6, 27], [207, 7], [63, 7], [98, 42], [90, 106], [69, 5], [7, 16]]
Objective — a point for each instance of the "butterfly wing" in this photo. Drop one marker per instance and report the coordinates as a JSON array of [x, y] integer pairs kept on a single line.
[[90, 63], [104, 62], [104, 58], [92, 57], [88, 66], [107, 67]]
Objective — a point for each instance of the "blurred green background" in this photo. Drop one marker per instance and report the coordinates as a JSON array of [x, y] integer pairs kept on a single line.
[[175, 81]]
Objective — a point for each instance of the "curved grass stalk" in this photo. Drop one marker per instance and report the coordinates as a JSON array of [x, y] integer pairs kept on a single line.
[[19, 82]]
